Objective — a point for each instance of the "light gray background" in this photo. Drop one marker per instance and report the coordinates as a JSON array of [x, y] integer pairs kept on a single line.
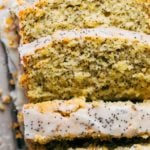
[[6, 134]]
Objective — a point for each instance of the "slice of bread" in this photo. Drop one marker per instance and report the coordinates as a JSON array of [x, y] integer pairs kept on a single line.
[[62, 120], [100, 63], [46, 16]]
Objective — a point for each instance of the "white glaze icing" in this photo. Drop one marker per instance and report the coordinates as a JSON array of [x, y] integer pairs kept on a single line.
[[8, 29], [106, 32], [111, 119], [29, 49], [7, 32], [8, 25]]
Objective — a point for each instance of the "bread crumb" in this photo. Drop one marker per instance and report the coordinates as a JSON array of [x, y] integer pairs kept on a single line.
[[15, 125], [20, 118], [12, 82], [1, 92], [2, 7], [6, 99], [18, 135], [2, 107], [15, 74]]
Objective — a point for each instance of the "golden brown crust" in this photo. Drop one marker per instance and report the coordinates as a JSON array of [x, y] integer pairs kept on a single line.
[[35, 146]]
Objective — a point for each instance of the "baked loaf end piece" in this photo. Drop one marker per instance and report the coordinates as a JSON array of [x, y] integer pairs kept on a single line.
[[47, 16], [62, 120], [101, 63]]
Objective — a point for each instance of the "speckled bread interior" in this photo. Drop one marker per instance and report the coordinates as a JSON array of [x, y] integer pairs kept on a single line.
[[95, 67], [49, 16]]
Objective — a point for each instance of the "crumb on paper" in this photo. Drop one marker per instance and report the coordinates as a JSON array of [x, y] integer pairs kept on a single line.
[[15, 125], [12, 82], [2, 107], [1, 92], [15, 74], [20, 118], [18, 135], [6, 99]]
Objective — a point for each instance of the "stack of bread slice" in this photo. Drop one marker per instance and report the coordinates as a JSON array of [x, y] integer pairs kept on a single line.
[[86, 71]]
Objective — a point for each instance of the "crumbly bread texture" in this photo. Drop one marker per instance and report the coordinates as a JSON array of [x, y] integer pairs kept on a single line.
[[35, 146], [100, 63], [59, 120], [46, 16]]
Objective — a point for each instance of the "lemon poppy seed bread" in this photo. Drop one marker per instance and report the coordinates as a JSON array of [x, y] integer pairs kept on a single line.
[[46, 16], [101, 63], [73, 54], [62, 120]]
